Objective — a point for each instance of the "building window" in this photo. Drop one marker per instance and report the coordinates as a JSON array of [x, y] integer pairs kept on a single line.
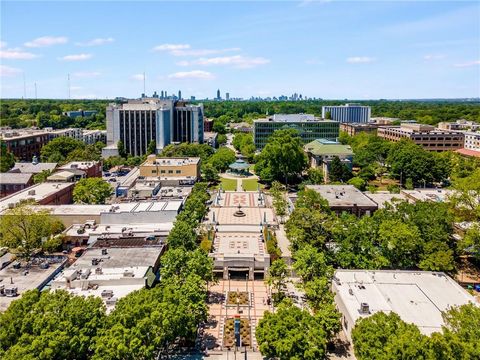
[[170, 171], [162, 171], [154, 171], [178, 171]]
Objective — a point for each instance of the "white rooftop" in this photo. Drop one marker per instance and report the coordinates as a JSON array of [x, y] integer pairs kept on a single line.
[[32, 168], [385, 197], [418, 297], [36, 192], [342, 195], [437, 195]]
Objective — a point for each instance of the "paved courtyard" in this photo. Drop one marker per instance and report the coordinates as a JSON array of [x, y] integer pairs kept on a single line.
[[219, 311]]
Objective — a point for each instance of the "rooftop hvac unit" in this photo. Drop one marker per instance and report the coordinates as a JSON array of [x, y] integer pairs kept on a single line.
[[104, 251], [111, 301], [107, 293], [98, 271], [128, 273], [11, 291], [364, 308], [85, 274], [95, 262], [31, 192]]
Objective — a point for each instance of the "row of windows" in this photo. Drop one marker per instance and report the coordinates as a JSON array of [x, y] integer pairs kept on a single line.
[[165, 171]]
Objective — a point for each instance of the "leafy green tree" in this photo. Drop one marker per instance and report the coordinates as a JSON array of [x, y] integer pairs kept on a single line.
[[42, 176], [383, 336], [358, 182], [182, 235], [152, 147], [7, 160], [210, 173], [315, 176], [277, 276], [338, 171], [279, 337], [50, 325], [59, 148], [465, 200], [221, 139], [311, 263], [203, 151], [178, 262], [310, 199], [24, 230], [282, 158], [91, 191], [222, 158], [471, 241]]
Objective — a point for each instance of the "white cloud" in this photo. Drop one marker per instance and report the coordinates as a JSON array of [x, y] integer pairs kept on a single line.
[[314, 62], [9, 71], [202, 52], [467, 64], [96, 42], [138, 77], [237, 61], [47, 41], [360, 60], [86, 74], [16, 54], [76, 57], [194, 74], [171, 47], [3, 44], [434, 57]]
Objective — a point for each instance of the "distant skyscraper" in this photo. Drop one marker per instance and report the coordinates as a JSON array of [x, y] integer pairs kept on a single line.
[[192, 98], [349, 113], [227, 96], [179, 95], [218, 95], [161, 95]]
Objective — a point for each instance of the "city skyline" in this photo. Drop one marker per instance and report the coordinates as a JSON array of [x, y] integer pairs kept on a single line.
[[321, 49]]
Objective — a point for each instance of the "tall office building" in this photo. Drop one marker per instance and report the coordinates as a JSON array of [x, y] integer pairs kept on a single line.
[[179, 94], [227, 96], [309, 128], [218, 95], [137, 122], [348, 113]]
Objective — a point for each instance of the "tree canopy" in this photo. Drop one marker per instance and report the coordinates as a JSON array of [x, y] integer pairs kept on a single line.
[[283, 158], [7, 160], [92, 191]]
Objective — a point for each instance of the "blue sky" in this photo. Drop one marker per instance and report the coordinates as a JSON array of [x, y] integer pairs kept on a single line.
[[328, 49]]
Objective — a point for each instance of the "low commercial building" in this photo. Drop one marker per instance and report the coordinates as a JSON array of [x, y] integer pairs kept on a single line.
[[210, 138], [80, 113], [207, 125], [472, 141], [463, 125], [427, 194], [382, 120], [56, 193], [426, 136], [17, 277], [353, 129], [345, 198], [10, 183], [384, 198], [321, 152], [308, 126], [33, 167], [418, 297], [145, 212], [185, 171], [94, 136], [111, 273], [90, 168]]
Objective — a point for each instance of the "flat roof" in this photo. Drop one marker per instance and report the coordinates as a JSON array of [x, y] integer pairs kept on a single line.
[[61, 175], [32, 168], [319, 147], [418, 297], [384, 197], [113, 229], [36, 192], [15, 178], [82, 165], [34, 277], [178, 161], [87, 209], [238, 244], [342, 195], [437, 195], [119, 257]]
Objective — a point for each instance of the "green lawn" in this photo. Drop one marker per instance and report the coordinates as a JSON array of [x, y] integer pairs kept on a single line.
[[228, 184], [250, 184]]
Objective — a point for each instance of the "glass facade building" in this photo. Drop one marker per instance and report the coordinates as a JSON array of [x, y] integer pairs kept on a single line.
[[309, 130]]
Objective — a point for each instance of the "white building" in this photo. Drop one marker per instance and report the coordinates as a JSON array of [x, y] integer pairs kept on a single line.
[[472, 141], [348, 113], [418, 297]]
